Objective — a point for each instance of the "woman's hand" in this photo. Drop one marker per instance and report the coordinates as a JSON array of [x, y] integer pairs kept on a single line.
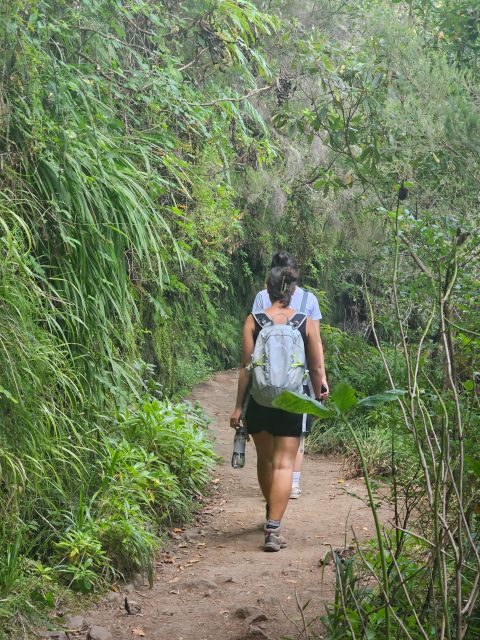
[[325, 390], [235, 417]]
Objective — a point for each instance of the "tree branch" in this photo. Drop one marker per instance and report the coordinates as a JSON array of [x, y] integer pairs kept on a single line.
[[415, 257]]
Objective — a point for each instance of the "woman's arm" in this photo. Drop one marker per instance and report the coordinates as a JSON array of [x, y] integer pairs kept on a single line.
[[316, 362], [316, 324], [244, 376]]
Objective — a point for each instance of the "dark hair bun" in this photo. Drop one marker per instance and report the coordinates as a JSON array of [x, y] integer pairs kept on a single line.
[[281, 259], [284, 259]]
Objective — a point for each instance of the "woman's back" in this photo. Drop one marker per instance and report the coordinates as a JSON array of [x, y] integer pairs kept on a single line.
[[280, 316], [310, 305]]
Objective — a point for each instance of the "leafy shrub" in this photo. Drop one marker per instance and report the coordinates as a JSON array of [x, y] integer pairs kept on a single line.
[[381, 434], [350, 358], [82, 562], [106, 523], [135, 475], [156, 460], [175, 434]]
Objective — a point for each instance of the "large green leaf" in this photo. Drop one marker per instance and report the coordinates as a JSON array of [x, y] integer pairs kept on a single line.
[[298, 403], [380, 398], [343, 395]]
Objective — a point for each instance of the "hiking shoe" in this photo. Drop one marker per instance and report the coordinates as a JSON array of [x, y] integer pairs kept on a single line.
[[295, 493], [274, 541]]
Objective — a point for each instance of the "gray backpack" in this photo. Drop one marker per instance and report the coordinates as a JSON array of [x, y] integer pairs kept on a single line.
[[278, 360]]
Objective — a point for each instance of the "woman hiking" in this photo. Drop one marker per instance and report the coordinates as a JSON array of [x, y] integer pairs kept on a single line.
[[306, 302], [276, 433]]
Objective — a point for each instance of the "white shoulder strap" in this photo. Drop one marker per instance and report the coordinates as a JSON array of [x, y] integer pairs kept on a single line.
[[303, 304]]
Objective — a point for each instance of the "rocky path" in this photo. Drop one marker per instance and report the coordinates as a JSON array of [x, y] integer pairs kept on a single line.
[[215, 582]]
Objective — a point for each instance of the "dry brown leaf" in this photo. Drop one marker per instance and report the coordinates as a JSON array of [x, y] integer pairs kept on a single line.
[[168, 559], [177, 530], [137, 631]]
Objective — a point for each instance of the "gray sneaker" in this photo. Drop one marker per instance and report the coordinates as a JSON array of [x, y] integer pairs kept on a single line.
[[274, 541], [295, 493]]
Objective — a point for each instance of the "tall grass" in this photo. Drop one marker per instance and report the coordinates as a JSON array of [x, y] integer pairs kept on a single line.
[[112, 234]]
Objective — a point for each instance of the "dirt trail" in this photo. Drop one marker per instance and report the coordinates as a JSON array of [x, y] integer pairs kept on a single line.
[[215, 582]]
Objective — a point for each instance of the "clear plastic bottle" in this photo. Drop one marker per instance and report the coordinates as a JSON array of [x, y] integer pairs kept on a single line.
[[239, 445]]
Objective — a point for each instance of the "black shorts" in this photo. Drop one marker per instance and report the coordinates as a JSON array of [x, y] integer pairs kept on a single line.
[[275, 421]]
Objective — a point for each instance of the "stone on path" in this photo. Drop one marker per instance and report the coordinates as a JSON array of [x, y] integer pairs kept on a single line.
[[99, 633], [256, 619], [75, 623]]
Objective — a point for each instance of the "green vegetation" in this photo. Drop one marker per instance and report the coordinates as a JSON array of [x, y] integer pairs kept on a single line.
[[397, 107], [88, 512], [118, 228], [152, 156]]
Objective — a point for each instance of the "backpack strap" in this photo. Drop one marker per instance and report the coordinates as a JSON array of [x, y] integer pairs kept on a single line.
[[297, 320], [262, 319], [303, 304]]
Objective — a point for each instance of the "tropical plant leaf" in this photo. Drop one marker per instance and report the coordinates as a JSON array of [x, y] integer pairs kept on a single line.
[[380, 398], [343, 395], [298, 403]]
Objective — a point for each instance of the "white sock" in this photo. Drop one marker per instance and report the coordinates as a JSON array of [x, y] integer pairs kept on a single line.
[[296, 479]]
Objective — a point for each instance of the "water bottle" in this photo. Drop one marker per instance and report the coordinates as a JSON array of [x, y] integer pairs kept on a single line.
[[239, 443]]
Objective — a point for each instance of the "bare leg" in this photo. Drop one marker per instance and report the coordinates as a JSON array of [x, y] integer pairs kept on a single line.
[[298, 460], [264, 443], [275, 461], [284, 452]]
